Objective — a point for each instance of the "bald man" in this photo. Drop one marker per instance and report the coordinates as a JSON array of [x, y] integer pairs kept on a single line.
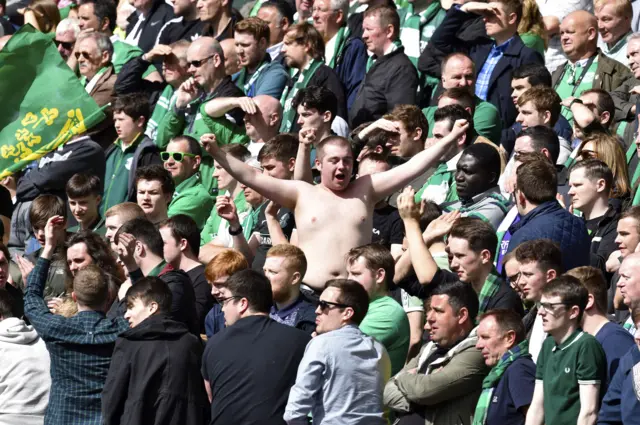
[[262, 118], [586, 68], [208, 80], [336, 215], [231, 62], [628, 285]]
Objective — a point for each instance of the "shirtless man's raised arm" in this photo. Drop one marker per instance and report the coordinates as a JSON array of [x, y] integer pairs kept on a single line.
[[282, 192], [388, 182]]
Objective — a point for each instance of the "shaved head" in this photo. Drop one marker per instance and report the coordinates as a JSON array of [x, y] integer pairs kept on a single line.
[[230, 54], [579, 35], [268, 105], [206, 45]]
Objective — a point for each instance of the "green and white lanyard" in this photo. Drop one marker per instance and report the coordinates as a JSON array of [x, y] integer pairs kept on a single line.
[[373, 58], [289, 93], [240, 82], [341, 38]]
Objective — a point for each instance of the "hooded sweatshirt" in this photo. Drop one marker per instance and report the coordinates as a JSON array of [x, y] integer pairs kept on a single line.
[[24, 374]]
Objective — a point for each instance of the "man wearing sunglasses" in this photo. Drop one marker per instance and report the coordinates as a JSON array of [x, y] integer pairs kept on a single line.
[[66, 33], [571, 369], [341, 357], [182, 159]]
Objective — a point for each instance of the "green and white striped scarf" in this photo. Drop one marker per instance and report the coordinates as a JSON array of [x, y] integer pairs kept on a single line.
[[341, 37], [159, 111], [491, 381], [373, 58], [416, 29], [288, 94]]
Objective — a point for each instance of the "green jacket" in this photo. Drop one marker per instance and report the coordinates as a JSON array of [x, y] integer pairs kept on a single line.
[[448, 388], [97, 227], [195, 122], [192, 199]]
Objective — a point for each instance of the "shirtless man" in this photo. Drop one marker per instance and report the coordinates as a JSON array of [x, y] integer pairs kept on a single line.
[[336, 215]]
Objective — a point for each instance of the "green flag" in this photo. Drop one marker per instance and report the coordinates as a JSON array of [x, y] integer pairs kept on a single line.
[[43, 103]]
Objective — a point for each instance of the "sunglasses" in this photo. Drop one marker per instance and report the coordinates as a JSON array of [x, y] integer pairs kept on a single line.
[[177, 156], [85, 55], [198, 63], [327, 305], [65, 45], [223, 301]]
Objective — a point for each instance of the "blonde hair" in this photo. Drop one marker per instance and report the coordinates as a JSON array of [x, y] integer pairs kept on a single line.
[[608, 150], [620, 7], [531, 21], [294, 257], [226, 263]]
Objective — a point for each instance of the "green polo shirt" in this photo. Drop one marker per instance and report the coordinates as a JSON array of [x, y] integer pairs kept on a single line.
[[562, 368], [486, 120], [566, 87], [155, 272], [192, 199], [96, 227], [441, 186], [116, 184], [387, 322]]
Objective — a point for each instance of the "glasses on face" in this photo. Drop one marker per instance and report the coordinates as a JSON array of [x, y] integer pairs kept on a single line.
[[328, 305], [223, 301], [548, 307], [177, 156], [65, 45], [85, 55], [198, 63]]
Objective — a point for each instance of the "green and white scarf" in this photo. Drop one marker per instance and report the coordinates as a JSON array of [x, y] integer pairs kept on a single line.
[[90, 84], [288, 94], [489, 289], [256, 7], [416, 29], [491, 381], [373, 58], [341, 38], [242, 77], [164, 103]]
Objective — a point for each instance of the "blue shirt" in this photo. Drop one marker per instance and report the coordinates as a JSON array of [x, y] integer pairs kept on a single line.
[[616, 342], [514, 391], [214, 321], [300, 314], [620, 404], [484, 76]]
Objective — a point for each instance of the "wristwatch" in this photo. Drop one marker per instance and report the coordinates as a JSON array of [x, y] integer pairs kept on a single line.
[[235, 232]]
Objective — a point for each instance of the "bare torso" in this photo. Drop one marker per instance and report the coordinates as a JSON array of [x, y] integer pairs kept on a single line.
[[328, 226]]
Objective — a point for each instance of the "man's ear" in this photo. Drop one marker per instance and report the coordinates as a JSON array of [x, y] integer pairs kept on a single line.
[[183, 244], [605, 118], [463, 315], [551, 274], [153, 307], [600, 185], [590, 302], [104, 24], [326, 116], [291, 164], [547, 117], [296, 278], [417, 134], [380, 276], [486, 256]]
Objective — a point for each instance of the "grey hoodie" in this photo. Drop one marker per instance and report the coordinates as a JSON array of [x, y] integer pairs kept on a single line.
[[24, 374]]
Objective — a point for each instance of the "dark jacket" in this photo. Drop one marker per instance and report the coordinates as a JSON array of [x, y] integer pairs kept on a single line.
[[130, 80], [430, 61], [183, 303], [517, 54], [550, 221], [351, 66], [391, 81], [603, 239], [624, 100], [610, 74], [154, 377], [179, 29], [54, 170], [147, 153], [324, 77], [160, 13]]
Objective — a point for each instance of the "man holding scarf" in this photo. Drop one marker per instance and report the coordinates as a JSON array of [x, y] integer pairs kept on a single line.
[[508, 389], [259, 75], [303, 50]]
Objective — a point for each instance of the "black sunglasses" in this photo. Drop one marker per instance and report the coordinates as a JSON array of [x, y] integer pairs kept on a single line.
[[198, 63], [326, 305], [177, 156], [65, 45], [85, 55], [223, 301]]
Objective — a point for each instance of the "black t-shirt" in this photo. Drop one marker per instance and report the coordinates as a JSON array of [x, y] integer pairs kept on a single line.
[[202, 290], [251, 366], [592, 225], [388, 228], [287, 223]]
